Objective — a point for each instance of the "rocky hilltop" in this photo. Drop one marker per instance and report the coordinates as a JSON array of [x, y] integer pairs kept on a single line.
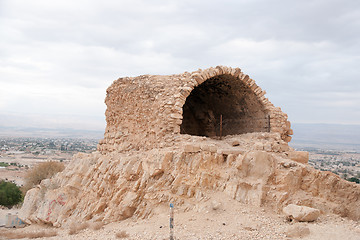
[[180, 139]]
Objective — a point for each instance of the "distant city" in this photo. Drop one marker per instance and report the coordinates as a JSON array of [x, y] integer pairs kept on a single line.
[[46, 146], [17, 155], [331, 147], [343, 163], [334, 148]]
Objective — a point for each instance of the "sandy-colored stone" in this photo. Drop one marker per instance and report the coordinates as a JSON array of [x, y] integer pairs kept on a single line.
[[189, 148], [149, 157], [299, 156], [142, 111], [301, 213]]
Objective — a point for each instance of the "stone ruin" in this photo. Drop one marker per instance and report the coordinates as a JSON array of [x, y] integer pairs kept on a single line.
[[147, 112], [179, 138]]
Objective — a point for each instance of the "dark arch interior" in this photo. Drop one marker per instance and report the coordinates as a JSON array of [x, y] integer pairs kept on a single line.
[[227, 96]]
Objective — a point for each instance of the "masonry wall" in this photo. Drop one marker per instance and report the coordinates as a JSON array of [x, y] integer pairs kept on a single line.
[[150, 111]]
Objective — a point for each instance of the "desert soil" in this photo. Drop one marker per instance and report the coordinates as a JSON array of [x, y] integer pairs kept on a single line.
[[16, 174], [218, 217]]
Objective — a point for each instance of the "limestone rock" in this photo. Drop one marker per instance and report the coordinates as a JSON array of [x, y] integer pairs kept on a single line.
[[116, 186], [226, 151], [30, 204], [301, 213], [215, 205], [209, 148], [299, 156], [162, 144], [190, 148]]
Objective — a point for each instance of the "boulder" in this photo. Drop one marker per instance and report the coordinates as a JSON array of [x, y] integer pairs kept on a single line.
[[301, 213], [30, 204], [299, 156]]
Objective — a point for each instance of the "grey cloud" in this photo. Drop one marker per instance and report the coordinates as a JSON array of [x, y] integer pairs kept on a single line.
[[300, 52]]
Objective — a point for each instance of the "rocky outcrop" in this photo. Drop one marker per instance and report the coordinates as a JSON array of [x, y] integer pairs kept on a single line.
[[117, 186], [175, 139]]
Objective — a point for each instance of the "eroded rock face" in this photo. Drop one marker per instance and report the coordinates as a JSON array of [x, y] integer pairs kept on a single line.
[[147, 159], [117, 186]]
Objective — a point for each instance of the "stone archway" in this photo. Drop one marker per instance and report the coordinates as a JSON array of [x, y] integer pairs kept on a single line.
[[226, 95]]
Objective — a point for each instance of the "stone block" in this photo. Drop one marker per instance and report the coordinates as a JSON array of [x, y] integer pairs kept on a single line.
[[198, 78], [190, 148], [230, 151], [237, 72], [220, 70], [176, 116], [245, 78], [287, 138], [299, 156], [261, 95], [209, 148], [267, 147], [301, 213], [283, 147]]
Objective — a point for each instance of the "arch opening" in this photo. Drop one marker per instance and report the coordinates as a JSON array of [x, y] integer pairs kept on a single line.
[[225, 95]]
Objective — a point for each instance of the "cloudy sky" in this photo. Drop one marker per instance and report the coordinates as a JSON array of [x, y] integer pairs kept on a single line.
[[58, 57]]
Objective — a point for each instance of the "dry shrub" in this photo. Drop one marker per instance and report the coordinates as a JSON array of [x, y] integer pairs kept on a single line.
[[18, 235], [97, 225], [122, 234], [40, 172], [76, 228]]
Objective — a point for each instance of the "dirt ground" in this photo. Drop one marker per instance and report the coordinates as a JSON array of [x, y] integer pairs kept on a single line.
[[16, 174], [217, 218]]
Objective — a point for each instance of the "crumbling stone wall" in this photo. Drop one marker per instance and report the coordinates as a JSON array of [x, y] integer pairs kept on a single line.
[[150, 111]]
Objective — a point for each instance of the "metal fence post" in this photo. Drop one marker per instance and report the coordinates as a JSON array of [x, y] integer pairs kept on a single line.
[[171, 221]]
